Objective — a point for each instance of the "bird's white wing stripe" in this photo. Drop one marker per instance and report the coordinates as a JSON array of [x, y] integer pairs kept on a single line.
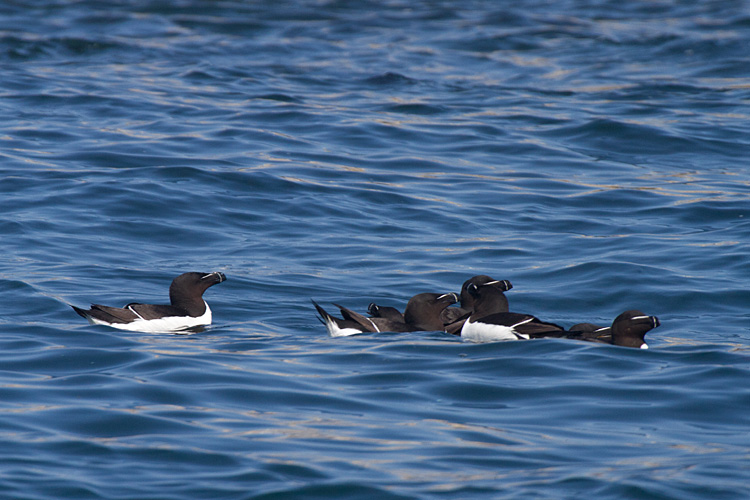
[[136, 313]]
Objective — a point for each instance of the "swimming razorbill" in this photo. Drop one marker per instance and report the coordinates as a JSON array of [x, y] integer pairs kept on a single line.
[[187, 309], [629, 329], [454, 317], [487, 325], [422, 313]]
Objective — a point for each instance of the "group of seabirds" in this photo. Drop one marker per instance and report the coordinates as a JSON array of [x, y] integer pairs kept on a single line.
[[482, 316]]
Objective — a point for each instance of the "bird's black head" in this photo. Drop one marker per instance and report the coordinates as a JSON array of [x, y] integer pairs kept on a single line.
[[470, 289], [190, 286], [423, 310], [629, 329], [385, 312]]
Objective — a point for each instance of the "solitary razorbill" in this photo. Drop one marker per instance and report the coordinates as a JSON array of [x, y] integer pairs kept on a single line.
[[187, 309]]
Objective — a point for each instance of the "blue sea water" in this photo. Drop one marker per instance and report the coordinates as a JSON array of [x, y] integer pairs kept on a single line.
[[592, 152]]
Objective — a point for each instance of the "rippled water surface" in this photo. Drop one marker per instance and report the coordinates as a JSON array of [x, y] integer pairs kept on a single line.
[[593, 153]]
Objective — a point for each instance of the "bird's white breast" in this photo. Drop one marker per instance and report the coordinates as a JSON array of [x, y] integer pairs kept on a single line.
[[485, 332], [335, 331]]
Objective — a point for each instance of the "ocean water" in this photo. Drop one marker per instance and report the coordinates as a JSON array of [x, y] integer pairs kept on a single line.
[[594, 153]]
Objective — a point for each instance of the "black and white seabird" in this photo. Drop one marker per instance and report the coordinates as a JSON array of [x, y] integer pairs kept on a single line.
[[454, 317], [487, 325], [187, 309], [629, 329], [422, 313]]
